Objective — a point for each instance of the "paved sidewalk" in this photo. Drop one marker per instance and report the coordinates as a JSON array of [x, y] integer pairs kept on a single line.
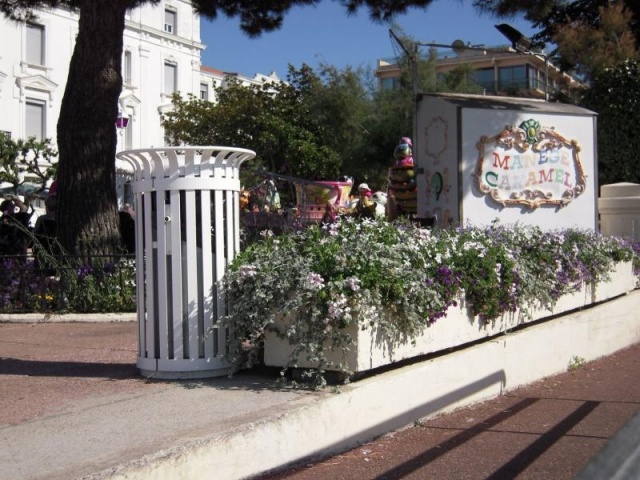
[[72, 404], [57, 375]]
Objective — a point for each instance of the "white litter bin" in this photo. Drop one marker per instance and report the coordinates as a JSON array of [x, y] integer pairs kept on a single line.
[[619, 208], [187, 232]]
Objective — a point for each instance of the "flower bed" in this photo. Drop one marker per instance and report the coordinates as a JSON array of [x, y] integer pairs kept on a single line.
[[67, 284], [316, 289], [372, 348]]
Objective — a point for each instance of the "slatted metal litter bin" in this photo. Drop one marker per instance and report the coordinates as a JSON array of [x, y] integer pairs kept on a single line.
[[187, 231]]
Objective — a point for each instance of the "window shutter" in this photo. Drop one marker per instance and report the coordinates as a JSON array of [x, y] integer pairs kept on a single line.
[[169, 78], [35, 43], [35, 119]]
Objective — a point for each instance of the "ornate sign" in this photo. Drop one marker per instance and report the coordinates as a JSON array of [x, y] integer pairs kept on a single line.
[[529, 166]]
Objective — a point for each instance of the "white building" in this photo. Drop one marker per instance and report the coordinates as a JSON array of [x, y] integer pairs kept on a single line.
[[161, 55]]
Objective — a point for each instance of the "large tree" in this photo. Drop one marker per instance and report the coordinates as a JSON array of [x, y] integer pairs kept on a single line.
[[87, 209], [615, 95]]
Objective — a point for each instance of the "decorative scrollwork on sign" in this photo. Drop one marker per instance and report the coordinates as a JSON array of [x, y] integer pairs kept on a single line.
[[436, 136], [529, 166]]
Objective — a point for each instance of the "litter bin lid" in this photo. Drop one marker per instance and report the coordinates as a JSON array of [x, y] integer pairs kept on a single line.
[[617, 190]]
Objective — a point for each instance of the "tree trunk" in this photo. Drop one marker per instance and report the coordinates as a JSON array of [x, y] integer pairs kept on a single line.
[[87, 215]]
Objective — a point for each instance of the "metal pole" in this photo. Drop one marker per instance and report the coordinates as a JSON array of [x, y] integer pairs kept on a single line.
[[546, 78]]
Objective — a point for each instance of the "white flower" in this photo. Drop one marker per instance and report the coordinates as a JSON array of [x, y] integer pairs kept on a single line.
[[338, 308], [353, 283], [334, 229], [315, 281], [247, 271]]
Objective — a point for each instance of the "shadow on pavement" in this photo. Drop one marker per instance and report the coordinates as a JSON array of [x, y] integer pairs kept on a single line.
[[42, 368]]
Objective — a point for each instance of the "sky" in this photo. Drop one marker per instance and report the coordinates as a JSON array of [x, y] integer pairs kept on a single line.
[[326, 34]]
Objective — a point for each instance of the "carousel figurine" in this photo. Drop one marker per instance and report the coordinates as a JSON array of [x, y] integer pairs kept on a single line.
[[365, 207], [403, 153]]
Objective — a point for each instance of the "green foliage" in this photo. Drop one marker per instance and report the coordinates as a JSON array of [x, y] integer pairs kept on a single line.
[[269, 119], [21, 161], [594, 47], [339, 102], [101, 287], [308, 287], [615, 96], [320, 125], [576, 363]]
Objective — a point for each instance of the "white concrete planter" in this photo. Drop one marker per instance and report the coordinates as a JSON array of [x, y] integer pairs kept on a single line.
[[372, 349]]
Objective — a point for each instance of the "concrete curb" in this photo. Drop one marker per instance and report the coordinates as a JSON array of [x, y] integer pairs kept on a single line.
[[67, 317]]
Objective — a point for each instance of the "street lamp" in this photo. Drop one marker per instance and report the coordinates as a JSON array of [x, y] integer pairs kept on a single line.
[[519, 42], [122, 120], [522, 44]]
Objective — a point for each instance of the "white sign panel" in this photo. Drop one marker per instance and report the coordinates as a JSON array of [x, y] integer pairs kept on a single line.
[[529, 165]]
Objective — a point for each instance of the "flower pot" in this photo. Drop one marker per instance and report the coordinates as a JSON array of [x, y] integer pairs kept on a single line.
[[372, 348]]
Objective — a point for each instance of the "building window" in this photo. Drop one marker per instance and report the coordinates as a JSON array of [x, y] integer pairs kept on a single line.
[[35, 44], [35, 119], [485, 78], [126, 66], [389, 83], [536, 78], [170, 21], [512, 78], [204, 91], [128, 193], [170, 77]]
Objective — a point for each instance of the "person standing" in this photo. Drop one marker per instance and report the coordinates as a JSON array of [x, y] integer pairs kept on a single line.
[[14, 226], [45, 235]]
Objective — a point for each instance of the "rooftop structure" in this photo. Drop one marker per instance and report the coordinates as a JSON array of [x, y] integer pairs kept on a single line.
[[499, 70]]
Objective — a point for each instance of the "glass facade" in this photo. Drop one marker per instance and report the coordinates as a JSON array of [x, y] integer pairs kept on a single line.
[[485, 78], [513, 78], [390, 83]]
